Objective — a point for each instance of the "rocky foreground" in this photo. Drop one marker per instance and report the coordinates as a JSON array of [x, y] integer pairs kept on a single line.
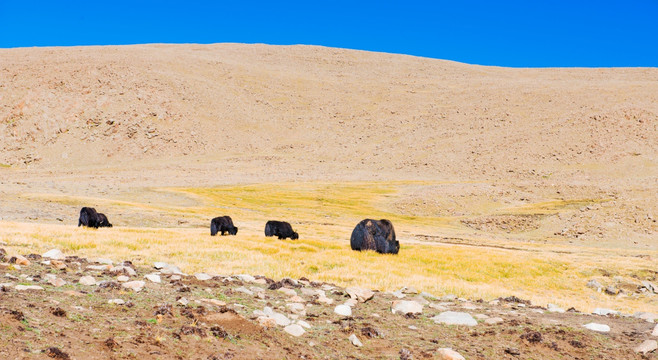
[[67, 307]]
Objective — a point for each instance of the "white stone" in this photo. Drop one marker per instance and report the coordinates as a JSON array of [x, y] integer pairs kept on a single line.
[[116, 302], [646, 347], [47, 277], [202, 276], [134, 285], [183, 301], [604, 312], [493, 320], [280, 319], [160, 265], [103, 261], [171, 269], [122, 278], [244, 290], [405, 307], [309, 292], [287, 291], [412, 327], [325, 300], [303, 323], [123, 269], [54, 254], [153, 278], [87, 280], [351, 302], [297, 298], [297, 308], [455, 318], [57, 282], [175, 277], [481, 316], [360, 294], [649, 317], [343, 310], [655, 331], [597, 327], [294, 330], [246, 278], [438, 307], [28, 287], [554, 309], [448, 354], [355, 341], [99, 267], [398, 294]]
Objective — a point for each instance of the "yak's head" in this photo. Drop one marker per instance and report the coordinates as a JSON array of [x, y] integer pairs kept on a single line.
[[294, 236], [233, 231]]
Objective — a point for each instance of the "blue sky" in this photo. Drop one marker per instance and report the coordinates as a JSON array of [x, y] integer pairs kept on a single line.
[[505, 33]]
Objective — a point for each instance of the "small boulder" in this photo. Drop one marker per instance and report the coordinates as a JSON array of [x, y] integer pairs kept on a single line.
[[134, 285], [153, 278], [448, 354], [280, 319], [493, 320], [355, 340], [246, 278], [294, 330], [655, 331], [87, 280], [22, 260], [54, 254], [127, 270], [455, 318], [605, 312], [122, 278], [343, 310], [202, 276], [116, 301], [244, 290], [405, 307], [287, 291], [360, 294], [57, 282], [603, 328], [555, 309], [646, 347], [594, 284]]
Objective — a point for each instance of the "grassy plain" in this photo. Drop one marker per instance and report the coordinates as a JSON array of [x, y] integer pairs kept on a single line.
[[480, 266]]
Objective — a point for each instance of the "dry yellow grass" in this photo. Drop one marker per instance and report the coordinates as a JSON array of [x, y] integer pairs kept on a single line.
[[324, 214]]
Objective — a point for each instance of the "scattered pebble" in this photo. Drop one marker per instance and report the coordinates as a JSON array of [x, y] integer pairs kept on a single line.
[[87, 280], [294, 330], [597, 327], [343, 310], [355, 341], [153, 278], [405, 307], [449, 354]]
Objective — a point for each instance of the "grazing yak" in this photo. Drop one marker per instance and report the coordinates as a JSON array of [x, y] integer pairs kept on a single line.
[[221, 225], [90, 218], [280, 229], [377, 235]]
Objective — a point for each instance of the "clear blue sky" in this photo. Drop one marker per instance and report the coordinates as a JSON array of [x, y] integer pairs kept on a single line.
[[507, 33]]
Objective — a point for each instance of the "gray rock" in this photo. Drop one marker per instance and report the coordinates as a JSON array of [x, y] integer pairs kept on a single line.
[[123, 270], [493, 320], [116, 302], [355, 341], [405, 307], [54, 254], [655, 331], [99, 267], [103, 261], [294, 330], [448, 354], [555, 309], [409, 290], [183, 301], [597, 327], [122, 278], [202, 276], [246, 278], [646, 347], [287, 291], [438, 307], [153, 278], [605, 312], [611, 290], [57, 282], [171, 269], [360, 294], [428, 296], [343, 310], [134, 285], [351, 302], [449, 297], [594, 284], [160, 265], [280, 319], [87, 280], [650, 317], [455, 318], [309, 292], [481, 316], [297, 308], [244, 290], [304, 324]]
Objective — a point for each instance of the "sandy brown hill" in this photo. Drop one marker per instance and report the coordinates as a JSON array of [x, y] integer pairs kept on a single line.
[[392, 113]]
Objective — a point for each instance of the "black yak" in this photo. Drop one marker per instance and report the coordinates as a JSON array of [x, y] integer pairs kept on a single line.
[[90, 218], [221, 225], [377, 235], [280, 229]]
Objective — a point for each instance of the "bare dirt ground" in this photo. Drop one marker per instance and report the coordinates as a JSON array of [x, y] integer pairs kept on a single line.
[[477, 156]]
